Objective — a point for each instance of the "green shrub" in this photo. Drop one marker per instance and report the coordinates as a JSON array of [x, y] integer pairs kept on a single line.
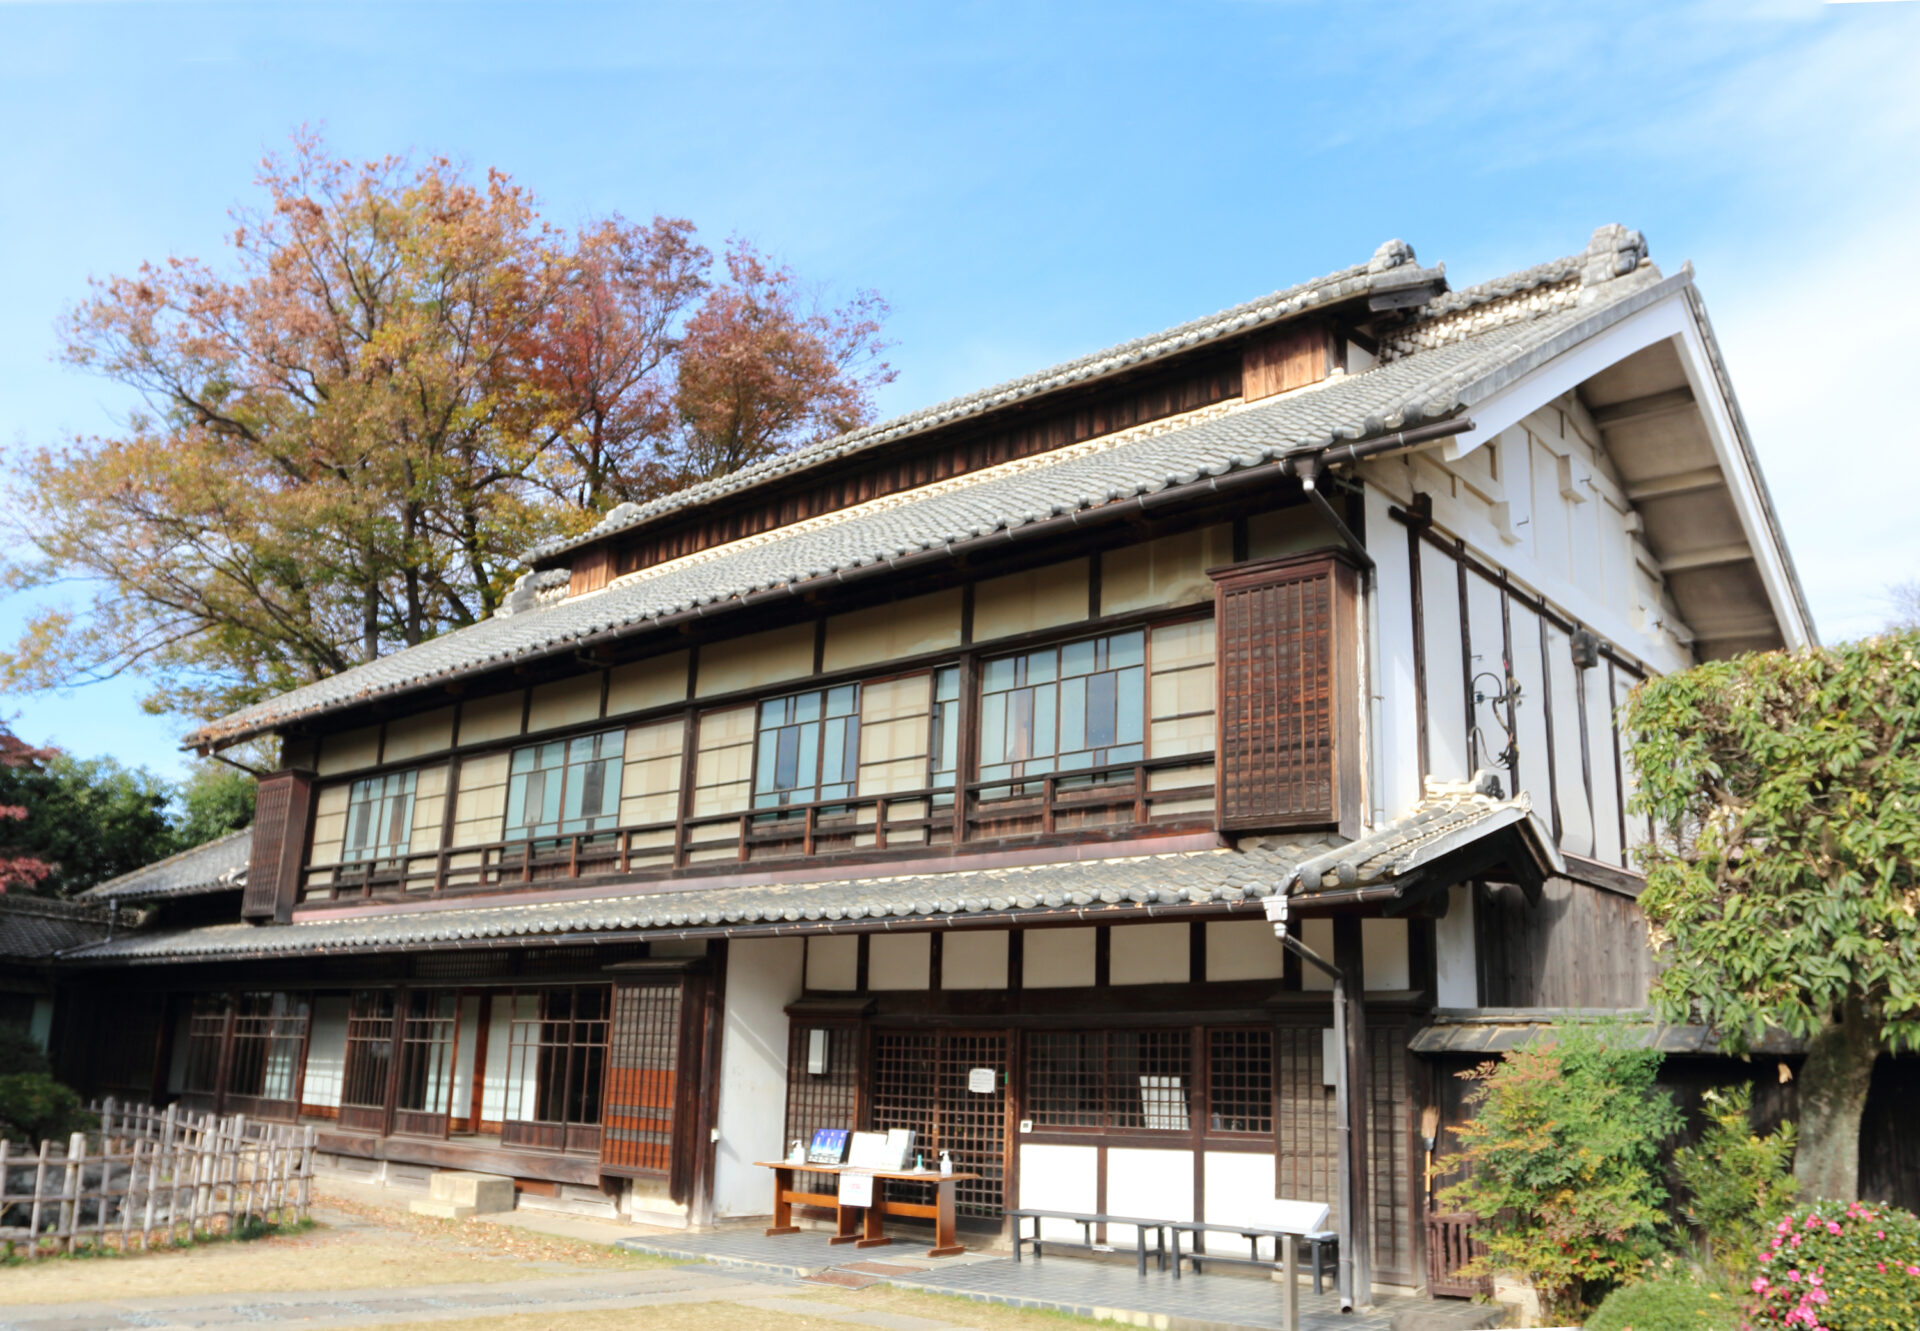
[[1666, 1304], [1737, 1181], [19, 1052], [1837, 1266], [1564, 1157], [35, 1108]]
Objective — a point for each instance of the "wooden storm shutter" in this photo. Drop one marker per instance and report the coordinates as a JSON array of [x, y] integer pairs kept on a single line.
[[650, 1114], [1288, 694], [279, 847]]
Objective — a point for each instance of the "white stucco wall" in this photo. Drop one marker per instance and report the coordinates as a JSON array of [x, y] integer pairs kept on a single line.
[[763, 976]]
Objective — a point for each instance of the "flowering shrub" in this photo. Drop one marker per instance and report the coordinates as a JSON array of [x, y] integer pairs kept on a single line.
[[1840, 1267]]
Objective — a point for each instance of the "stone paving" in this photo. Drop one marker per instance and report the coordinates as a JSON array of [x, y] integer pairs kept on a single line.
[[1082, 1287]]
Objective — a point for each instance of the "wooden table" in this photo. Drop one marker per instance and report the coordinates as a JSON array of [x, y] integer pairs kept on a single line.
[[860, 1225]]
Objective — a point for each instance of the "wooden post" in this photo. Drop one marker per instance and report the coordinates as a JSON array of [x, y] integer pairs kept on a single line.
[[1290, 1317], [39, 1195]]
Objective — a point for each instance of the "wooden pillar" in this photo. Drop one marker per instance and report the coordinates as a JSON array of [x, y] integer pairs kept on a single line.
[[706, 1125], [1356, 1244]]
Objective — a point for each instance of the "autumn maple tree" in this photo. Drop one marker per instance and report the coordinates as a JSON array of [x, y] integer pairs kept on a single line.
[[19, 872], [402, 378]]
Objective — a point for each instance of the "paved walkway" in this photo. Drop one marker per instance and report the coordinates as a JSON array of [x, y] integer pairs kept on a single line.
[[582, 1292], [1082, 1287]]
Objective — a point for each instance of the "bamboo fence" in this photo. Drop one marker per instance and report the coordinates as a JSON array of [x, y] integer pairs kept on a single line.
[[150, 1178]]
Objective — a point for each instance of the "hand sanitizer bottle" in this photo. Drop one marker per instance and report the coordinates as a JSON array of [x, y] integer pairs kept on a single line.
[[946, 1164]]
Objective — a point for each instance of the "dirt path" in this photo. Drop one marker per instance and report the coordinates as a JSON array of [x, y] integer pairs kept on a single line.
[[371, 1266]]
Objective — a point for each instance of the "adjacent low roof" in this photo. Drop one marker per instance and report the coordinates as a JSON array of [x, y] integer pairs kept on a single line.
[[1187, 878], [1423, 385], [1501, 1030], [1452, 818], [219, 865], [38, 928]]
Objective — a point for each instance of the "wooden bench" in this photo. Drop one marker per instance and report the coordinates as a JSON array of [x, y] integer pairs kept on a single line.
[[1086, 1221], [1323, 1248]]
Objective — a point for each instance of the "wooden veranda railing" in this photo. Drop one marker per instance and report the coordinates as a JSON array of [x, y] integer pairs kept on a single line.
[[1156, 791], [149, 1178]]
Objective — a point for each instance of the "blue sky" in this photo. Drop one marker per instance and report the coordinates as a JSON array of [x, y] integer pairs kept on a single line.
[[1025, 182]]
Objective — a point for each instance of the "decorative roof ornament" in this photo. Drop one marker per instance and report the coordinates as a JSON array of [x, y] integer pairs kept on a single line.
[[1613, 252], [1391, 254]]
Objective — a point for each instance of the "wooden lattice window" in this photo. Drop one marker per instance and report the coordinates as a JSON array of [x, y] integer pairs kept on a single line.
[[1136, 1081], [1240, 1081], [829, 1099], [1288, 694], [921, 1080], [642, 1078], [556, 1061], [368, 1073], [279, 846], [269, 1041]]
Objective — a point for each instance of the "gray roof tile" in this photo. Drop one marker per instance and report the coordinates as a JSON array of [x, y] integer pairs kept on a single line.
[[219, 865], [1184, 878], [1425, 386], [35, 928]]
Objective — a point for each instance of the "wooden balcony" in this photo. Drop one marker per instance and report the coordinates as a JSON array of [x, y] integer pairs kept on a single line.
[[1174, 793]]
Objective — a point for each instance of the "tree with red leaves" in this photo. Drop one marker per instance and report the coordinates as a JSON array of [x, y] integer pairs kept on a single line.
[[20, 871]]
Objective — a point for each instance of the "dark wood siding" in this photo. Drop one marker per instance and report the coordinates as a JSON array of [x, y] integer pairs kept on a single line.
[[1287, 360], [929, 457], [279, 846], [1581, 946], [1288, 706]]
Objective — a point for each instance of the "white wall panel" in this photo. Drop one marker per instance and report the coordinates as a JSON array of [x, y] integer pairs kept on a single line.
[[1446, 689], [326, 1051], [1457, 977], [1060, 1178], [1239, 1191], [1154, 1184], [763, 976]]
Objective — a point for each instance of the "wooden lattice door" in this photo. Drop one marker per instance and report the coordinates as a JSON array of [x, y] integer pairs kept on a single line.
[[920, 1081]]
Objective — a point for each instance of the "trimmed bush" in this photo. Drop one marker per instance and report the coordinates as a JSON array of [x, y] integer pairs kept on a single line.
[[1666, 1304], [35, 1108], [1840, 1266], [1738, 1182]]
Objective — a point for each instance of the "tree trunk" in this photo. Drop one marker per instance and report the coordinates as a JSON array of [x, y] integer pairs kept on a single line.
[[1833, 1095]]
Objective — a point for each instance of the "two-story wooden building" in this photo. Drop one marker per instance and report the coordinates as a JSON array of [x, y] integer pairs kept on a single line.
[[976, 740]]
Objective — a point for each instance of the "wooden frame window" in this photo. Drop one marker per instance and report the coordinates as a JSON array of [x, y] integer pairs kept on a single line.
[[1132, 1081], [269, 1041], [379, 818], [368, 1073], [556, 1067], [429, 1034], [808, 747], [565, 787], [1080, 705], [943, 744]]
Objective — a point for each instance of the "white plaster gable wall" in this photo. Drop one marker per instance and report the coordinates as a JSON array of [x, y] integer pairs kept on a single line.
[[1455, 965], [763, 977]]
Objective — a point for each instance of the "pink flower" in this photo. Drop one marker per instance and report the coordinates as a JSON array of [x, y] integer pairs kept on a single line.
[[1833, 1227], [1793, 1275], [1765, 1257], [1881, 1267], [1879, 1233], [1796, 1241], [1913, 1270], [1759, 1284], [1818, 1296]]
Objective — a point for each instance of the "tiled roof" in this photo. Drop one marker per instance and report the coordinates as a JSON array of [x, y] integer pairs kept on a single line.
[[1391, 268], [1451, 818], [35, 928], [1499, 1030], [219, 865], [1186, 878], [1425, 386]]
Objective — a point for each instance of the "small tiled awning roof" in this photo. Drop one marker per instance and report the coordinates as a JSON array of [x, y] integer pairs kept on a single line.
[[1459, 831], [1500, 1030], [219, 865]]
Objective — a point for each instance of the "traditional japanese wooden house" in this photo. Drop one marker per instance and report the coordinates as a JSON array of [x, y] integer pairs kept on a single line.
[[937, 776]]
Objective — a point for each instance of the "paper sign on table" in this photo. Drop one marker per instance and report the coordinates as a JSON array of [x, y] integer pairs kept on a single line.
[[856, 1189]]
